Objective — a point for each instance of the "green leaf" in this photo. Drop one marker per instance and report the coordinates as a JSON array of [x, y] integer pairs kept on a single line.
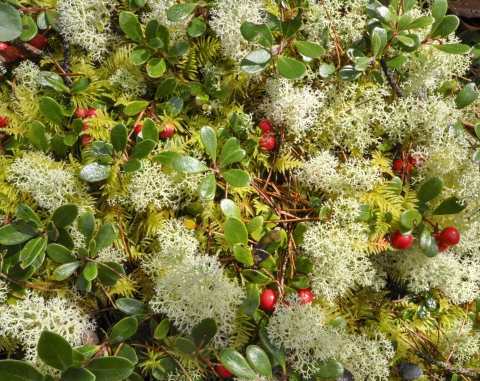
[[228, 157], [139, 55], [131, 306], [109, 277], [132, 165], [395, 186], [150, 130], [300, 282], [51, 110], [298, 233], [410, 219], [453, 48], [430, 189], [254, 276], [168, 157], [133, 108], [209, 140], [24, 212], [119, 137], [259, 361], [90, 271], [77, 374], [230, 145], [379, 41], [407, 41], [204, 331], [188, 165], [65, 215], [260, 34], [127, 352], [236, 364], [60, 254], [10, 23], [207, 188], [404, 22], [95, 172], [179, 12], [420, 22], [110, 368], [328, 368], [466, 96], [348, 73], [196, 27], [477, 130], [439, 10], [309, 49], [162, 329], [166, 87], [55, 351], [476, 157], [397, 61], [235, 231], [86, 225], [53, 80], [167, 366], [64, 271], [106, 236], [143, 149], [179, 49], [236, 177], [255, 224], [70, 138], [81, 84], [277, 353], [290, 68], [17, 232], [124, 329], [256, 61], [290, 27], [131, 26], [243, 255], [428, 243], [156, 67], [450, 205], [36, 136], [448, 25], [252, 300], [53, 18], [409, 48], [229, 208], [326, 70], [82, 284], [185, 346], [14, 370], [32, 250]]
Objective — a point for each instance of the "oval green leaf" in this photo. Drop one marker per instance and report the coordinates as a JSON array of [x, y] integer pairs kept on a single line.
[[196, 27], [10, 23], [207, 188], [15, 370], [110, 368], [106, 236], [179, 12], [55, 351], [156, 67], [133, 108], [131, 26], [188, 165], [132, 165], [428, 243], [430, 189], [254, 276], [236, 364], [256, 61], [131, 306], [143, 149], [235, 231], [209, 140], [51, 110], [466, 96], [90, 271], [17, 232], [77, 374], [309, 49], [259, 361], [290, 68], [328, 368], [119, 137], [410, 219], [236, 177], [95, 172], [278, 353], [243, 255], [251, 301], [32, 250], [204, 331], [260, 34], [229, 208], [185, 346], [60, 254], [124, 329], [65, 215], [140, 55], [451, 205], [64, 271], [162, 329]]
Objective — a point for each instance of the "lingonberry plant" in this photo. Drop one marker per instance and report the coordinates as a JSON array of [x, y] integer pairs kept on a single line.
[[259, 189]]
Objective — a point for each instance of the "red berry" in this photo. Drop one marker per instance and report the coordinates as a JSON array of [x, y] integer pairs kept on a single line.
[[268, 298], [222, 371], [86, 140], [91, 112], [12, 52], [441, 246], [3, 121], [266, 126], [39, 41], [85, 126], [398, 165], [267, 142], [449, 236], [399, 241], [80, 113], [168, 131], [306, 296], [137, 129], [3, 46]]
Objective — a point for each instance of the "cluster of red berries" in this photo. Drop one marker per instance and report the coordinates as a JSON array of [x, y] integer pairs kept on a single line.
[[267, 140], [449, 236], [168, 131], [39, 42], [83, 113], [268, 298]]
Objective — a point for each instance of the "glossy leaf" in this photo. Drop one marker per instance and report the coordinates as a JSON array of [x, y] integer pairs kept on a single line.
[[326, 70], [86, 225], [348, 73], [196, 27], [51, 110], [110, 368], [236, 364], [209, 141], [453, 48], [166, 87], [252, 300], [328, 368], [236, 177], [167, 366], [60, 254], [430, 189], [428, 243], [260, 34], [132, 165], [450, 205], [188, 165], [255, 224], [229, 208], [124, 329], [90, 271], [379, 41], [94, 172], [466, 96], [162, 329], [204, 331], [185, 345], [179, 12], [17, 232], [55, 351], [131, 26], [277, 353], [131, 306], [290, 68], [420, 22], [36, 136], [81, 84], [77, 374], [106, 236], [133, 108], [64, 271], [143, 149], [235, 231], [150, 130], [139, 55], [15, 370], [476, 157], [439, 10], [109, 277], [243, 255], [256, 61], [156, 67], [309, 49], [207, 188], [65, 215], [26, 213], [254, 276], [32, 250], [410, 219], [119, 137], [179, 49], [259, 361], [10, 23], [448, 25], [290, 27]]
